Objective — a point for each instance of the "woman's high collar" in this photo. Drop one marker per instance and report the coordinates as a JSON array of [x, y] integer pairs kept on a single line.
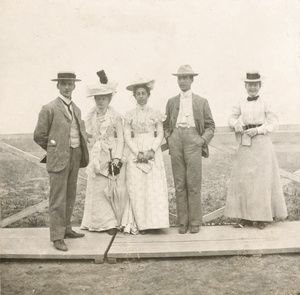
[[143, 108]]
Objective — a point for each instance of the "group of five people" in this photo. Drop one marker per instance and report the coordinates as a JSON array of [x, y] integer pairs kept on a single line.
[[126, 180]]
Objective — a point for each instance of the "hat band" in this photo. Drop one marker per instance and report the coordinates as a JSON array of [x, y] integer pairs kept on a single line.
[[253, 76], [66, 76]]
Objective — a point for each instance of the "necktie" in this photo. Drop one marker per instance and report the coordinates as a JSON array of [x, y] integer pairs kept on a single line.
[[69, 107], [251, 98]]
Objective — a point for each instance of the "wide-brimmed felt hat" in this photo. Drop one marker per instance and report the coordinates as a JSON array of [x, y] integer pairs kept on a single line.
[[185, 70], [102, 89], [253, 76], [63, 76], [141, 80]]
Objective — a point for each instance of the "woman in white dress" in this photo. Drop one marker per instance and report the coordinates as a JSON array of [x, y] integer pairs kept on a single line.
[[145, 173], [255, 195], [106, 194]]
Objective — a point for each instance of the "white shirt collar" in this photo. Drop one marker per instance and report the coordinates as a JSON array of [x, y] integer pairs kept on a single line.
[[186, 94], [65, 99]]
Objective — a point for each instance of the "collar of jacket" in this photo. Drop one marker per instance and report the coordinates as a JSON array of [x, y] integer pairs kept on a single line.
[[62, 108]]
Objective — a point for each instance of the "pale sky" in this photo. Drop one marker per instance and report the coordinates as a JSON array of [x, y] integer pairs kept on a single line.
[[221, 40]]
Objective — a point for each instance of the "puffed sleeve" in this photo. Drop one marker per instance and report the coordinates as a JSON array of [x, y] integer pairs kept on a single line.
[[233, 119], [271, 120], [158, 116]]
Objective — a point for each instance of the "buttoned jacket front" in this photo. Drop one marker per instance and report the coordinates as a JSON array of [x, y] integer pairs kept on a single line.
[[204, 122], [52, 133]]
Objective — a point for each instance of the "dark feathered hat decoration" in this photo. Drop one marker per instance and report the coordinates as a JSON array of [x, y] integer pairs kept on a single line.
[[105, 86], [102, 76]]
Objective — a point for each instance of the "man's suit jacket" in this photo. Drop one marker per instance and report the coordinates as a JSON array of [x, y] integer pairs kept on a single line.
[[204, 122], [52, 133]]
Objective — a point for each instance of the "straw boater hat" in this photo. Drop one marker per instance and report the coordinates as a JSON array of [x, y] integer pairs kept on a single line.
[[141, 80], [64, 76], [253, 76], [185, 70]]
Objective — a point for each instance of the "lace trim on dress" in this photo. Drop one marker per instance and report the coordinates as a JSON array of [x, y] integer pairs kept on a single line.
[[102, 129], [143, 119]]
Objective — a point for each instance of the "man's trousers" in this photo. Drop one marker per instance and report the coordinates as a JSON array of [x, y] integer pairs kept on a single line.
[[63, 186], [185, 146]]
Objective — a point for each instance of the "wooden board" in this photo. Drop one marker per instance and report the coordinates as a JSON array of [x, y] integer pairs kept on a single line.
[[34, 243], [281, 237], [27, 211], [28, 156]]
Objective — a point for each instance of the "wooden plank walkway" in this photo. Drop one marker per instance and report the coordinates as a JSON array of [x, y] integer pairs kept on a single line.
[[281, 237], [33, 243]]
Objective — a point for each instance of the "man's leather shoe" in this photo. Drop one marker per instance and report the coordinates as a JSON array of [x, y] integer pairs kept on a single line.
[[60, 245], [73, 235], [194, 229], [183, 229]]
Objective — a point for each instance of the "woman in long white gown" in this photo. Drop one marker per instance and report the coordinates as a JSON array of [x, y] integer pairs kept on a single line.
[[255, 195], [103, 209], [145, 173]]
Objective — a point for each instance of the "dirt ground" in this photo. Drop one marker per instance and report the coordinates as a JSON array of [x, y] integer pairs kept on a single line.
[[272, 274], [23, 184]]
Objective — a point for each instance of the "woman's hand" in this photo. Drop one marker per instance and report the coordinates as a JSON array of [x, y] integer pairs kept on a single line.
[[140, 157], [150, 154], [238, 128], [116, 161], [251, 132]]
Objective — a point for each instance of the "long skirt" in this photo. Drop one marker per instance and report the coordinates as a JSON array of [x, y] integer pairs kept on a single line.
[[105, 202], [148, 192], [255, 190]]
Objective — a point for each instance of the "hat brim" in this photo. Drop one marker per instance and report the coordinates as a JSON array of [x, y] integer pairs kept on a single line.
[[185, 74], [252, 80], [66, 79], [132, 86], [102, 93]]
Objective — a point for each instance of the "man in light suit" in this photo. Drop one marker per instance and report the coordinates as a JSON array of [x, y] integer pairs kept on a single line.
[[61, 132], [188, 129]]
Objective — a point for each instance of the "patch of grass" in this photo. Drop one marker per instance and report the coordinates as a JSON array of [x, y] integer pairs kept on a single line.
[[23, 184]]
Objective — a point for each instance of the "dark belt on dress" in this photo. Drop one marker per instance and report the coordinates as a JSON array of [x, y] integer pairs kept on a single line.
[[252, 126], [154, 132]]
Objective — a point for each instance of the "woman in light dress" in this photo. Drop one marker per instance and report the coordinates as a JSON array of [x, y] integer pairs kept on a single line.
[[145, 173], [106, 193], [255, 195]]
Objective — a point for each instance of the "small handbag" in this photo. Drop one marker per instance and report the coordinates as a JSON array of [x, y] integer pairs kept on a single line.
[[114, 169]]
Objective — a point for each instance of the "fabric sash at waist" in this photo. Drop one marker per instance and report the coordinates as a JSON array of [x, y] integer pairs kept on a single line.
[[145, 134]]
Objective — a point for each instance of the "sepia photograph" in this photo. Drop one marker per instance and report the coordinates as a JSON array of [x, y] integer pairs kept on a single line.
[[150, 147]]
